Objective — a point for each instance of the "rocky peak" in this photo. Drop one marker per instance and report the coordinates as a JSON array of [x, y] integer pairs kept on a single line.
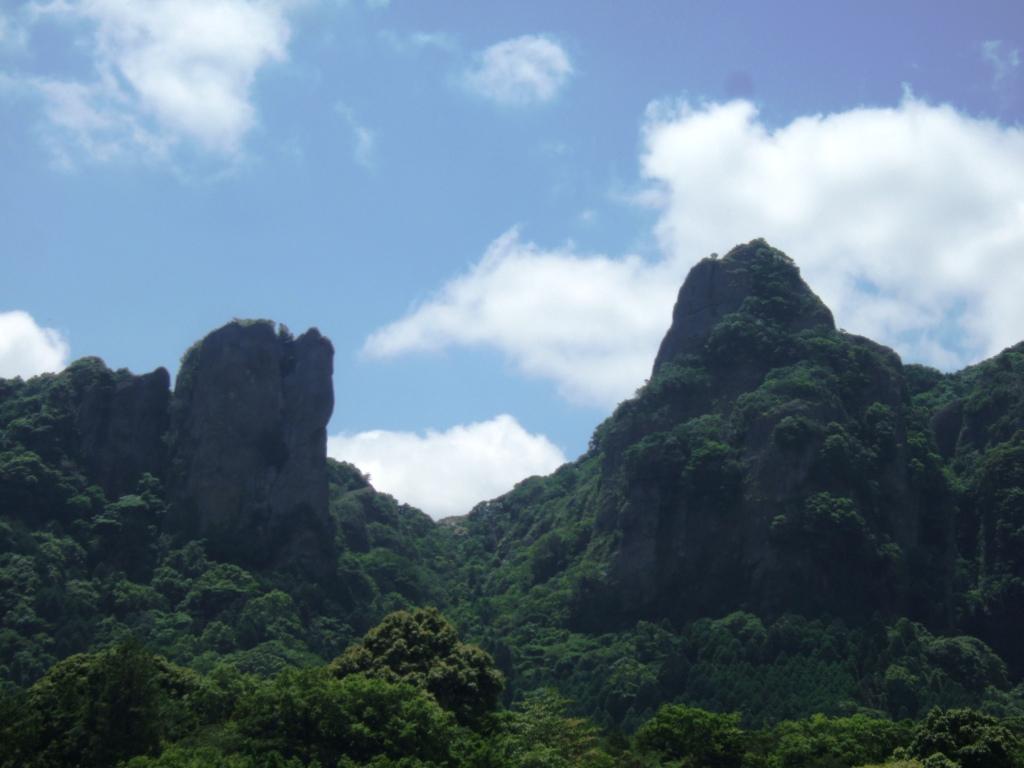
[[248, 444], [120, 422], [772, 463], [751, 278]]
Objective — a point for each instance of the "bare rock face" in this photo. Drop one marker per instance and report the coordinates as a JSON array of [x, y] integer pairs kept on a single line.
[[120, 422], [248, 468]]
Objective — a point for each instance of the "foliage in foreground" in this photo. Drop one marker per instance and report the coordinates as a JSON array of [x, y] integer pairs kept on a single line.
[[411, 694]]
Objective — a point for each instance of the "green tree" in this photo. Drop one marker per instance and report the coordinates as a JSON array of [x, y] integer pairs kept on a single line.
[[538, 734], [694, 736], [96, 709], [312, 715], [422, 648], [835, 742], [969, 738]]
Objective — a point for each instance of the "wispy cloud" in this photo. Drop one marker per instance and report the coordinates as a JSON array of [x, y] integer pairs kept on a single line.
[[526, 70], [413, 42], [447, 472], [27, 349], [166, 73], [1005, 61], [13, 34], [364, 141]]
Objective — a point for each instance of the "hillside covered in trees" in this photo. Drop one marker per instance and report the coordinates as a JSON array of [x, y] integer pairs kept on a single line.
[[787, 549]]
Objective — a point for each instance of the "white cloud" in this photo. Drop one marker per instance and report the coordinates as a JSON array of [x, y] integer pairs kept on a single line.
[[521, 71], [447, 473], [26, 349], [591, 323], [364, 142], [166, 72], [908, 221]]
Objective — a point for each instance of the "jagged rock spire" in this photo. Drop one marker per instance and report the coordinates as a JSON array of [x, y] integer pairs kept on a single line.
[[716, 287]]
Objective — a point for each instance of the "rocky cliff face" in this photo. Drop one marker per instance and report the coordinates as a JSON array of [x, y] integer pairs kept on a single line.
[[120, 422], [771, 464], [240, 446], [715, 288], [977, 417], [107, 425], [248, 445]]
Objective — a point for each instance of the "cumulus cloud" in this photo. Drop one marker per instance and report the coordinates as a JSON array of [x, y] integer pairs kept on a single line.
[[26, 349], [524, 70], [584, 321], [165, 72], [447, 473], [908, 221]]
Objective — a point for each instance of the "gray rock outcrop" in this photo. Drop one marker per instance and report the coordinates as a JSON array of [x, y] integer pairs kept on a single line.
[[120, 422], [248, 469]]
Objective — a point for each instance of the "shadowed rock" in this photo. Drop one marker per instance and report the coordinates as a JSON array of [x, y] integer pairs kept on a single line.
[[248, 445], [120, 420], [768, 466], [717, 287]]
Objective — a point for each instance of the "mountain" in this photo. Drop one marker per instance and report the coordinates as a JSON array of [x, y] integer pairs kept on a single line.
[[773, 467], [772, 464], [785, 519], [205, 520], [248, 446]]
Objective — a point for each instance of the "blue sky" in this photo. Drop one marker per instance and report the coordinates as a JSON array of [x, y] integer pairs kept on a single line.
[[488, 207]]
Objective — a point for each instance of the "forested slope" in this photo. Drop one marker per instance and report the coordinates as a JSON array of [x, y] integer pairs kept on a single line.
[[781, 503], [99, 539], [785, 522]]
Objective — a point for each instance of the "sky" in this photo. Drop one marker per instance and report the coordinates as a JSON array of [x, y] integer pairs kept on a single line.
[[490, 207]]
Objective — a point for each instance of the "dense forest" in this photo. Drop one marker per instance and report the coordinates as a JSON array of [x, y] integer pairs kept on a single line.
[[787, 549]]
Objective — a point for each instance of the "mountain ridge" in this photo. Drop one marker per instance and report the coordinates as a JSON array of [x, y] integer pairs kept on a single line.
[[842, 504], [775, 479]]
